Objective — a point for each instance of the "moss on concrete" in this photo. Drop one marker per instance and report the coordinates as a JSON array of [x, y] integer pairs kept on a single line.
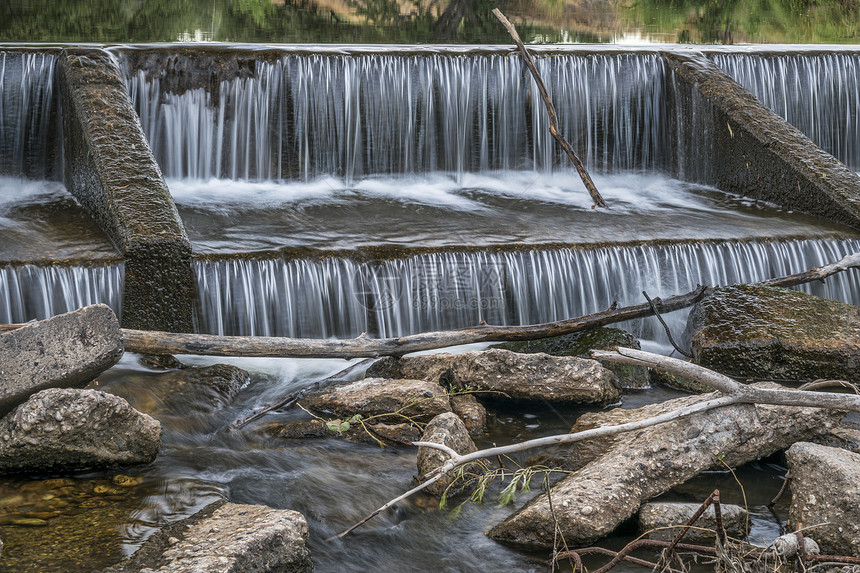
[[774, 333], [111, 171]]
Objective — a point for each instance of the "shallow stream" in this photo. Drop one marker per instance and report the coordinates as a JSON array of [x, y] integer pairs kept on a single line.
[[333, 482]]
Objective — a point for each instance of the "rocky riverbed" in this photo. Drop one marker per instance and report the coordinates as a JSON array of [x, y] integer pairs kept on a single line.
[[92, 439]]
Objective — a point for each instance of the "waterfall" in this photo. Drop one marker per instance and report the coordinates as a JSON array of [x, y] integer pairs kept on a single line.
[[29, 292], [341, 297], [30, 128], [817, 93], [356, 115]]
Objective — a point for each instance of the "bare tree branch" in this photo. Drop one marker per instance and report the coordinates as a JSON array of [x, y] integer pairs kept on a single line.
[[550, 110]]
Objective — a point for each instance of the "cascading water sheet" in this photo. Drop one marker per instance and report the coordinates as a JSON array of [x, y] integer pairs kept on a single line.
[[353, 116], [440, 291]]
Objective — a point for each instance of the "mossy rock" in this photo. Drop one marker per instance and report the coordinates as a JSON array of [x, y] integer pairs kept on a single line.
[[680, 382], [581, 343], [777, 334]]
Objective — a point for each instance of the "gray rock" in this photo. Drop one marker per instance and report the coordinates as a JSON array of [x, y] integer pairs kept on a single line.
[[660, 518], [775, 334], [824, 489], [787, 546], [65, 430], [594, 500], [449, 430], [372, 433], [680, 382], [510, 375], [846, 438], [227, 538], [581, 343], [417, 399], [472, 412], [65, 351]]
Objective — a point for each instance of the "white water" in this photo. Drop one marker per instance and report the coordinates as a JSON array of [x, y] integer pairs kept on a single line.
[[440, 291], [30, 142], [29, 292]]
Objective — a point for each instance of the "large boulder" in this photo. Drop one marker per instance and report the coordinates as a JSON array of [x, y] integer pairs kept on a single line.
[[66, 430], [391, 400], [581, 343], [65, 351], [776, 334], [372, 432], [824, 490], [510, 375], [593, 501], [449, 430], [227, 537]]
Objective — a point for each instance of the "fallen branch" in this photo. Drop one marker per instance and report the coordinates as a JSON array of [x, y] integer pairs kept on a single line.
[[733, 393], [550, 110], [151, 342]]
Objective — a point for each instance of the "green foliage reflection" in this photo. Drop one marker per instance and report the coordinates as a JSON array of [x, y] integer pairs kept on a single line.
[[426, 21]]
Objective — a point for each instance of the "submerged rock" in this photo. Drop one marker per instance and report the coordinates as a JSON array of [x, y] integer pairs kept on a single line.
[[64, 351], [393, 400], [449, 430], [776, 334], [824, 490], [581, 343], [402, 434], [184, 392], [67, 430], [227, 537], [659, 519], [593, 501], [75, 524], [510, 375]]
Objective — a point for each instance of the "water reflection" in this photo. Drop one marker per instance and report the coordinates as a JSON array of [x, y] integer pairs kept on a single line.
[[430, 21]]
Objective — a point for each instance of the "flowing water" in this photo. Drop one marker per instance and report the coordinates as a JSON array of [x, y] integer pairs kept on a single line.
[[330, 194]]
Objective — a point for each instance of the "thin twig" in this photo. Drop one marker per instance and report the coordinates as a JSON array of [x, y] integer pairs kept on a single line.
[[416, 489], [550, 109], [819, 384], [781, 490], [665, 326], [293, 397]]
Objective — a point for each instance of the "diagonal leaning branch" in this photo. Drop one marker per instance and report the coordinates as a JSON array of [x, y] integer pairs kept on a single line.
[[550, 110], [733, 393]]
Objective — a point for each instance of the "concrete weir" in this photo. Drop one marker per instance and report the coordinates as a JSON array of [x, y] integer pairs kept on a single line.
[[681, 115], [111, 171], [754, 151]]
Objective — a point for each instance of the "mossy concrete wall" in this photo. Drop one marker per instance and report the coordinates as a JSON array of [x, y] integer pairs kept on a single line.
[[754, 151], [111, 171]]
